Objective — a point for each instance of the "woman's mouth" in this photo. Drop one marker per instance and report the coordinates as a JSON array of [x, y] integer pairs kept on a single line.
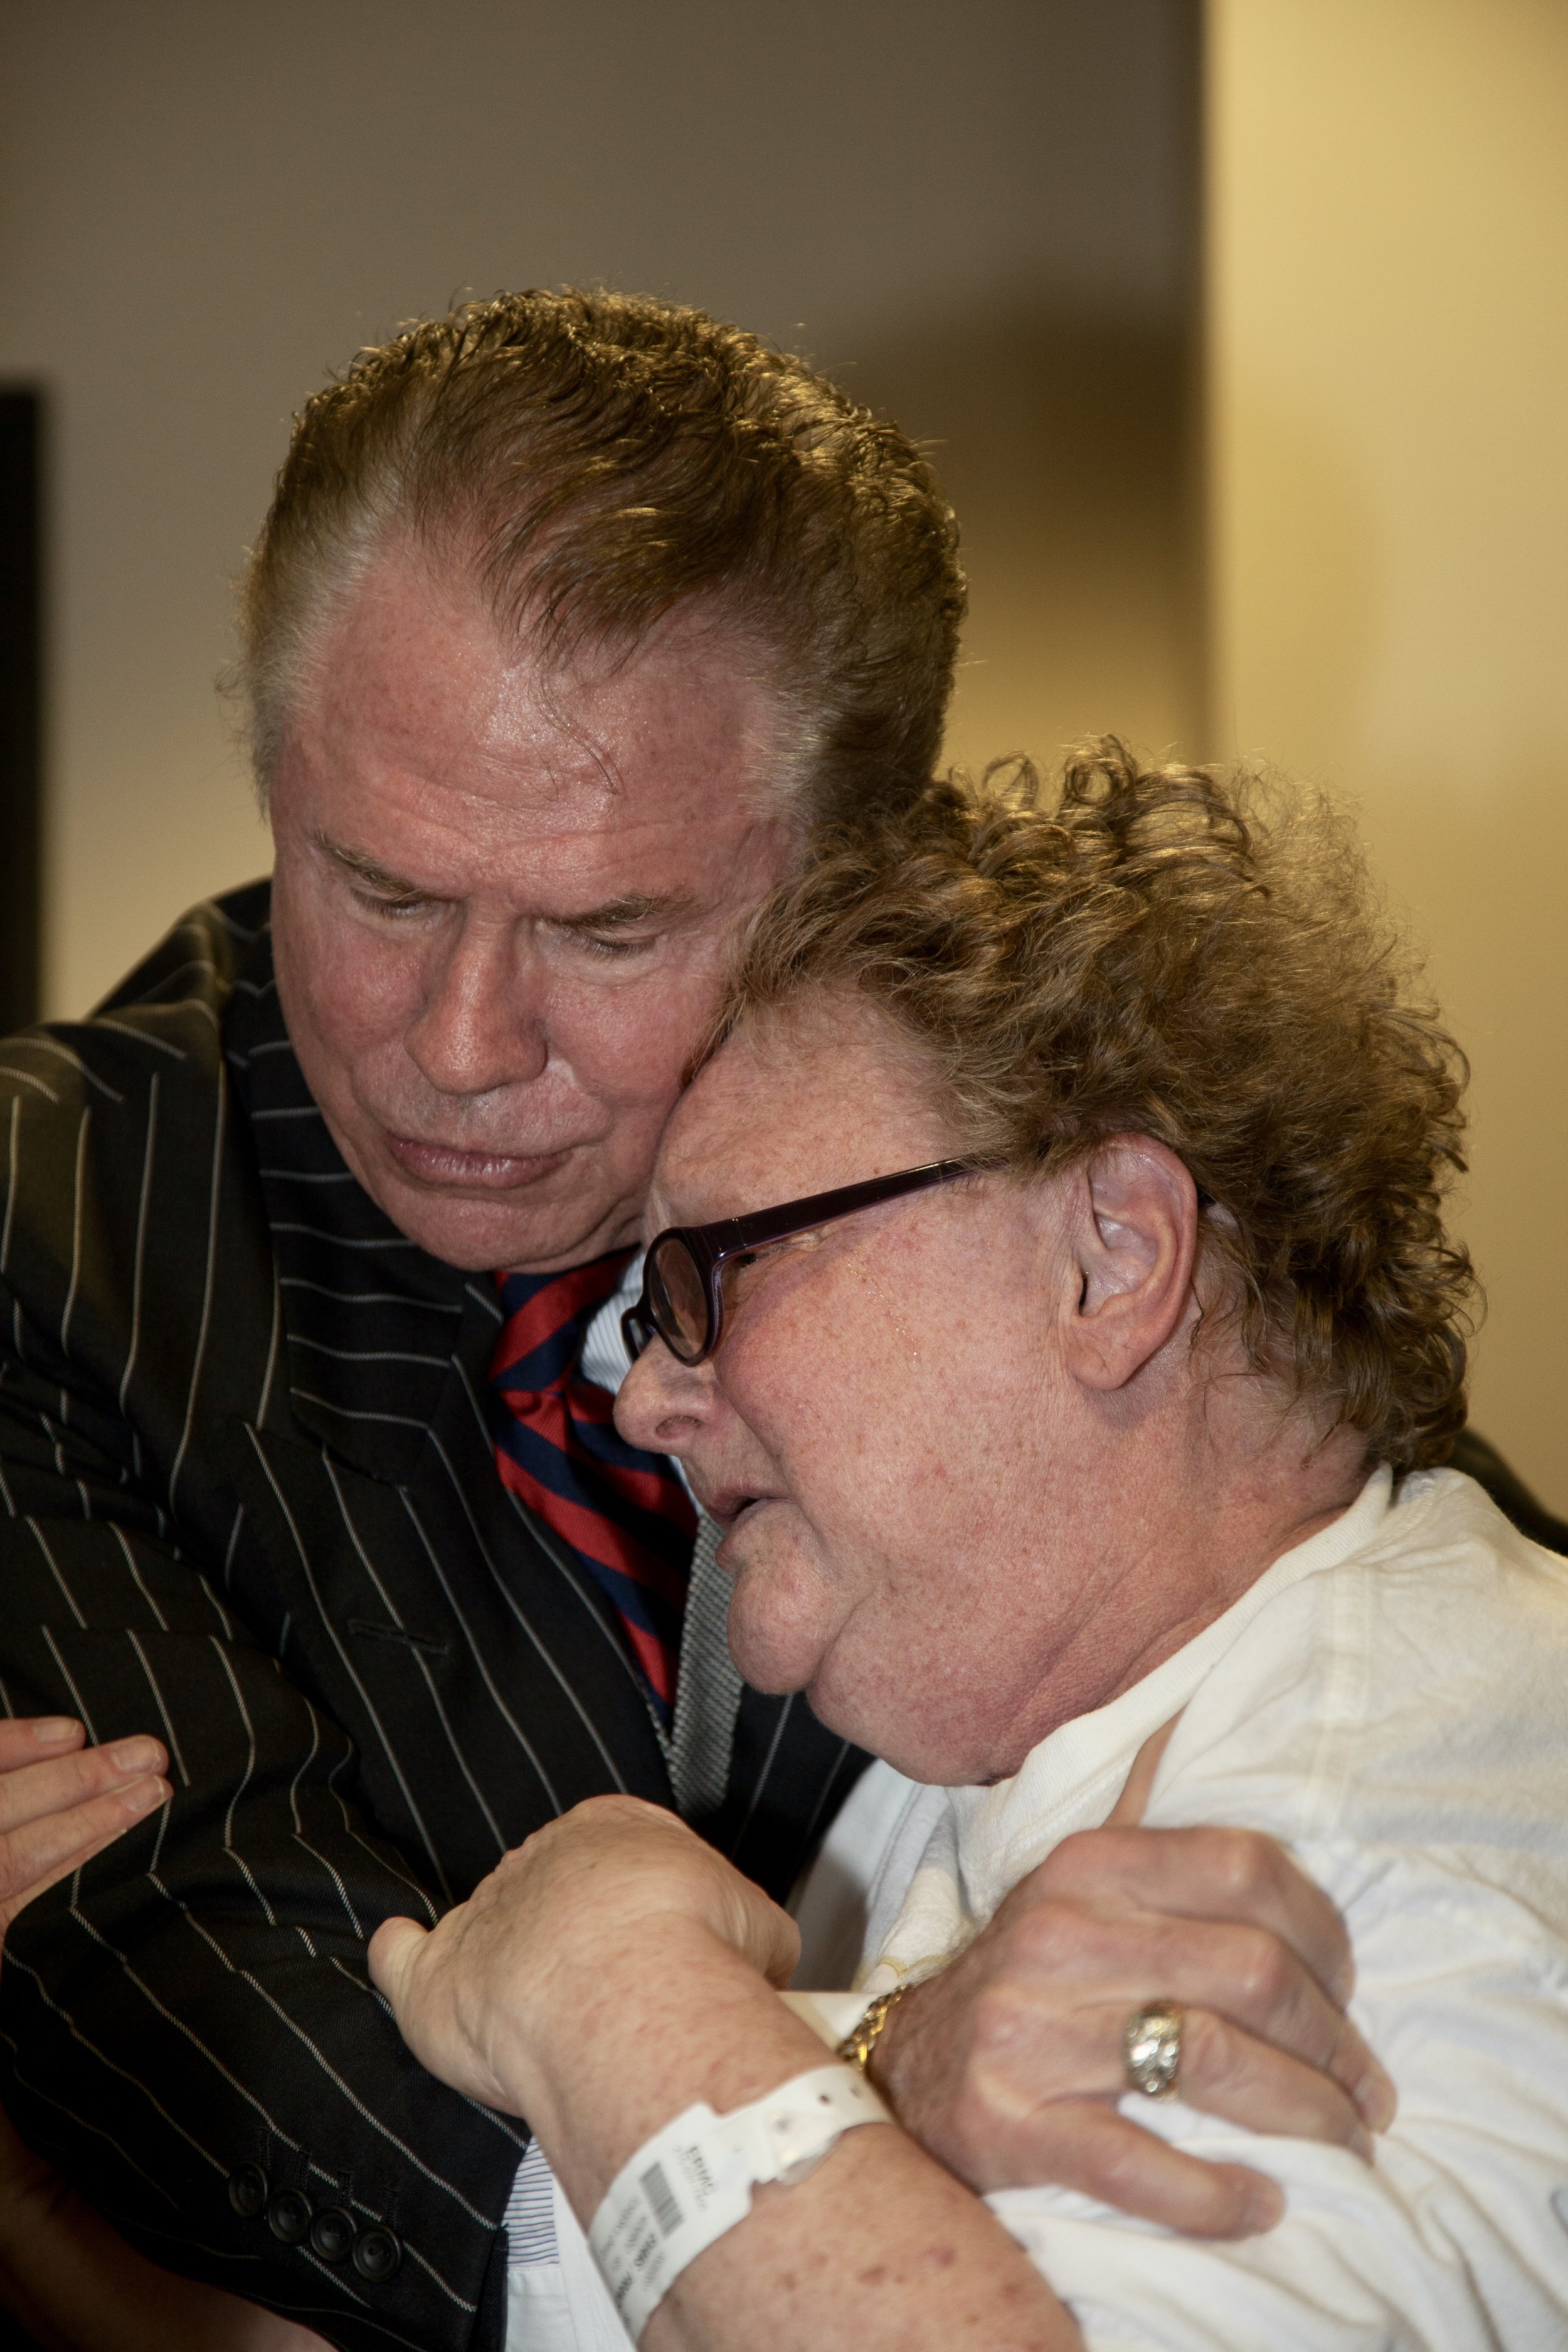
[[731, 1507]]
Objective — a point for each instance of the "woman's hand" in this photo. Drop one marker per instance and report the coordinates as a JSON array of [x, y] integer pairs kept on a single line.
[[62, 1801], [602, 1893], [614, 1973]]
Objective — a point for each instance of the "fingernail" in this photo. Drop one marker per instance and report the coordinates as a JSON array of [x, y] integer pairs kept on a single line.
[[146, 1797], [1267, 2206], [1377, 2098], [48, 1730], [136, 1755]]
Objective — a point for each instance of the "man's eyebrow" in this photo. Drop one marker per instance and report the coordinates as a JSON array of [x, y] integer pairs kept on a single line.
[[615, 915], [366, 869], [620, 914]]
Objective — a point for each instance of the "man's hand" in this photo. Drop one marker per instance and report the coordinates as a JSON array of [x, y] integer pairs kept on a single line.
[[62, 1801], [1007, 2066]]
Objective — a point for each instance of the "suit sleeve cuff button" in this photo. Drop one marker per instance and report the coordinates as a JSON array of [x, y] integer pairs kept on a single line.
[[377, 2254], [247, 2190], [333, 2235], [288, 2217]]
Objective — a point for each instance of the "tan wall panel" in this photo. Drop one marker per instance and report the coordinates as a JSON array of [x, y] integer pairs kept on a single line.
[[1388, 249]]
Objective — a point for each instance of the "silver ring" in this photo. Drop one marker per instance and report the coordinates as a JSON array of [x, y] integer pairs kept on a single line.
[[1151, 2050]]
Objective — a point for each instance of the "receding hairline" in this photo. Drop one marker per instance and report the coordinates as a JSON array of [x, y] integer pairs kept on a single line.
[[697, 624]]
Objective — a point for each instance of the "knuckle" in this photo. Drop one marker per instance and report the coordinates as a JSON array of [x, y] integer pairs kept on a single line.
[[1243, 1862], [610, 1808], [1053, 1937], [1266, 1973], [1079, 1862]]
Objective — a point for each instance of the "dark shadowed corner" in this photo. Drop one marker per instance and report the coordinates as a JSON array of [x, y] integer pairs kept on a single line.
[[21, 701]]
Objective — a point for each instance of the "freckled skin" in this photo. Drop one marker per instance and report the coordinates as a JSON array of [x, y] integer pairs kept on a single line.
[[495, 1077], [964, 1506], [837, 1584]]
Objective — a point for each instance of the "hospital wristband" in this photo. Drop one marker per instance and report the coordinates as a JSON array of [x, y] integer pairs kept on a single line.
[[693, 2181]]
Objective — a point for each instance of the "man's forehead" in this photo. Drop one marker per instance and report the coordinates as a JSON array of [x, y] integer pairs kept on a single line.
[[418, 645], [429, 748]]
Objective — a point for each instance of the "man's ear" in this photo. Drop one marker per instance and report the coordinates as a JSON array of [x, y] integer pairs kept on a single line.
[[1135, 1246]]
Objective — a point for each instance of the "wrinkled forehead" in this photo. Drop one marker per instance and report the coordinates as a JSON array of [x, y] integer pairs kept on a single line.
[[412, 672], [824, 1092]]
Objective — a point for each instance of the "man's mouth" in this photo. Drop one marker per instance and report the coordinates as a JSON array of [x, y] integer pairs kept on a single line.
[[445, 1164]]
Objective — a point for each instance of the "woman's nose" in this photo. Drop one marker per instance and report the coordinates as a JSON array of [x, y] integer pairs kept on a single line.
[[663, 1404]]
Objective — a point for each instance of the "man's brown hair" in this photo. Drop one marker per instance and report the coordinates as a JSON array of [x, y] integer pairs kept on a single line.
[[1165, 951], [593, 461]]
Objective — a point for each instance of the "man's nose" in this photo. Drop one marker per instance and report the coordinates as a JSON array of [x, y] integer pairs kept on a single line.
[[480, 1025], [663, 1405]]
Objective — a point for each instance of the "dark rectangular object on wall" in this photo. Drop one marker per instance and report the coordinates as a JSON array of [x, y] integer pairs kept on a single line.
[[21, 703]]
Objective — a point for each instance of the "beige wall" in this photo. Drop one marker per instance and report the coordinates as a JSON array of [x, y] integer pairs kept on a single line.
[[1388, 249], [977, 217]]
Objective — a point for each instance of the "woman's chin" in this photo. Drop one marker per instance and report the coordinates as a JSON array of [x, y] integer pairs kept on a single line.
[[780, 1625]]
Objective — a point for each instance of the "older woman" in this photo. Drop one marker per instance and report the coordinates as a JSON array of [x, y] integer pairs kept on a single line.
[[1053, 1307]]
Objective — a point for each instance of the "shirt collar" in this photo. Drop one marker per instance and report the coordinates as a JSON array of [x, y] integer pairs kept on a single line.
[[1071, 1780], [605, 1358]]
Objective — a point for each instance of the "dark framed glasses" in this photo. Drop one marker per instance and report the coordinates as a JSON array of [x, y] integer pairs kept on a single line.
[[682, 1300]]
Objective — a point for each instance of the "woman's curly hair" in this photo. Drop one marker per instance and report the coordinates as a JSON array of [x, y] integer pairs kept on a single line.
[[1196, 958]]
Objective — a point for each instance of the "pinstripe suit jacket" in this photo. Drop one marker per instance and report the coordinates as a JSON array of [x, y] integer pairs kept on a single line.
[[248, 1501]]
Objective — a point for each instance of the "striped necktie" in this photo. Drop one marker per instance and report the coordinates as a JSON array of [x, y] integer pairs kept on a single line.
[[623, 1512]]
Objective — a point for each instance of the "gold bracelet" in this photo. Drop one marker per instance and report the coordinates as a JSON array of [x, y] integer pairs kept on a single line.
[[856, 2047]]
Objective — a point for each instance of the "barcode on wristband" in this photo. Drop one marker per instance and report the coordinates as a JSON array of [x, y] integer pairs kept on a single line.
[[665, 2205]]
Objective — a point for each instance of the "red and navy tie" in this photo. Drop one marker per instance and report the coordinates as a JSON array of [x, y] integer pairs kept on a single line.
[[623, 1512]]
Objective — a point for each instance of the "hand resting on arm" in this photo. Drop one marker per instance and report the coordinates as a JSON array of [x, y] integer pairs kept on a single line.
[[1007, 2065], [1000, 2065]]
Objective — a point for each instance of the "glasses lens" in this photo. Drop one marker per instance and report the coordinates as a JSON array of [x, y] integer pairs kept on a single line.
[[679, 1300]]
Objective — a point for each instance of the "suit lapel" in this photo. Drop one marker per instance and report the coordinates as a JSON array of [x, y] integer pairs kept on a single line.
[[481, 1673], [370, 1320]]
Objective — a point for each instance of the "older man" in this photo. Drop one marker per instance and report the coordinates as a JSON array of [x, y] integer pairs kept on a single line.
[[571, 617]]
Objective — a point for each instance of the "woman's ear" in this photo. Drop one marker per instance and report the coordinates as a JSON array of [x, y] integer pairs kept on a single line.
[[1135, 1244]]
